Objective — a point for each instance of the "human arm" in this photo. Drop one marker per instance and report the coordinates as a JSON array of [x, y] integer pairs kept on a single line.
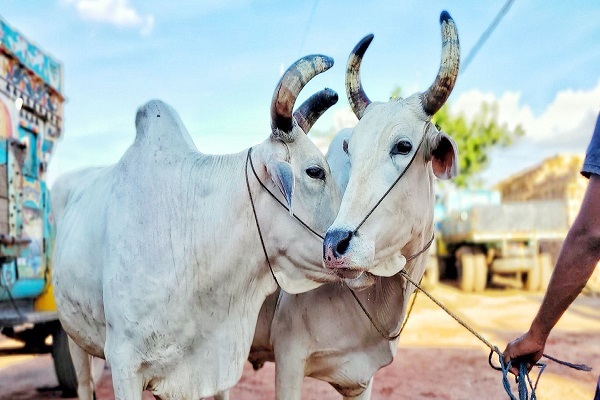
[[578, 257]]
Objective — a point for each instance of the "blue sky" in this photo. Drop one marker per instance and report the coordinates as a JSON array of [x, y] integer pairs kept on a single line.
[[218, 65]]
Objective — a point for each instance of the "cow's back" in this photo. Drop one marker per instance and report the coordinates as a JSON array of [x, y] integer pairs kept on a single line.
[[67, 185]]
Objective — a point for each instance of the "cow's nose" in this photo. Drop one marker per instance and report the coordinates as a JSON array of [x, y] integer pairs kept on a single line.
[[336, 243]]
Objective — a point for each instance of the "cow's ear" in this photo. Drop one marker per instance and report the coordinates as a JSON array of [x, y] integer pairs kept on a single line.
[[444, 156], [282, 174]]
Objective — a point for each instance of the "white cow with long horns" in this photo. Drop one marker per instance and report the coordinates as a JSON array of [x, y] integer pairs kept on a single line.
[[158, 264], [324, 333]]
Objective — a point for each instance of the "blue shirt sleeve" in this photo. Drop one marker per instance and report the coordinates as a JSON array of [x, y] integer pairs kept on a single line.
[[591, 165]]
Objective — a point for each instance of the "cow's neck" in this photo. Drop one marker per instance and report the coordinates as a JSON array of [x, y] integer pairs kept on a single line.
[[231, 206], [386, 301], [290, 246], [223, 291]]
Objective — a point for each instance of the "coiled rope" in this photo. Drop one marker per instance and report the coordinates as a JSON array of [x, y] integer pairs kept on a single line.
[[524, 383]]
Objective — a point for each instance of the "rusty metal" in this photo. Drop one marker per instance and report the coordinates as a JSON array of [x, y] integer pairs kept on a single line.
[[8, 240]]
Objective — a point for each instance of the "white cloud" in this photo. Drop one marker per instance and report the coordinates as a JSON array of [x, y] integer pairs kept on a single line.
[[564, 126], [115, 12], [566, 123]]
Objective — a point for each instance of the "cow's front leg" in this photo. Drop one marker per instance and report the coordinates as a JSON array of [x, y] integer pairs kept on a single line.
[[366, 395], [289, 373], [127, 381], [127, 385]]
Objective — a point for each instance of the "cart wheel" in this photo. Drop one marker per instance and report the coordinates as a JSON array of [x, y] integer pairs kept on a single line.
[[533, 278], [63, 365], [481, 273], [546, 270], [466, 272]]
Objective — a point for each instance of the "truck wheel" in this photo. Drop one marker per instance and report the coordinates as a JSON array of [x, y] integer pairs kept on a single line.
[[533, 278], [546, 270], [466, 272], [481, 273], [63, 365]]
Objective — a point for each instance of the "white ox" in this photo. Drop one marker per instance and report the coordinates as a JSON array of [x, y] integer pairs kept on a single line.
[[324, 333], [158, 266]]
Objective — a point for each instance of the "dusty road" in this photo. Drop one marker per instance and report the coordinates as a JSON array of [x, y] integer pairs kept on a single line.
[[436, 359]]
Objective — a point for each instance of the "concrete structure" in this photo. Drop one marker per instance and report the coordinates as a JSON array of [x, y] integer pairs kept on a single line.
[[555, 178]]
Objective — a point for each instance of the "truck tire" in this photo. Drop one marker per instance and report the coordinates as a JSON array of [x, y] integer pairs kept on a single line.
[[546, 270], [481, 273], [466, 271], [63, 365], [534, 277]]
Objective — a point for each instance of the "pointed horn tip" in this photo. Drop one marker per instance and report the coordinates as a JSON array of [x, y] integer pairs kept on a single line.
[[318, 61], [332, 95], [326, 60], [445, 17], [362, 46]]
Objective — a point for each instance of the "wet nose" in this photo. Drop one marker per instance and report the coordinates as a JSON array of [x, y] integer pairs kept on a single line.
[[336, 244]]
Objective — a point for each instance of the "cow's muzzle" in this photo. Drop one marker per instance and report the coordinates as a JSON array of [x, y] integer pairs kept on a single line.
[[335, 247]]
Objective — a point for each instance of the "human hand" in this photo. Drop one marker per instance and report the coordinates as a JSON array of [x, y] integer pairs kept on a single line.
[[526, 349]]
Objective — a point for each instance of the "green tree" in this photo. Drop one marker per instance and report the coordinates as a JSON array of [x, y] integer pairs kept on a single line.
[[475, 138]]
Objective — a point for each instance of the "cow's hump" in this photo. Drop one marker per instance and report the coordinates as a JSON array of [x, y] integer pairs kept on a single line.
[[159, 124]]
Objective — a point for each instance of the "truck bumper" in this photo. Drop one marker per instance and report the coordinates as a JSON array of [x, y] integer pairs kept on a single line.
[[22, 312]]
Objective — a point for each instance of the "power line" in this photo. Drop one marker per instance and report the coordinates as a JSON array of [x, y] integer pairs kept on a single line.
[[486, 34], [308, 25]]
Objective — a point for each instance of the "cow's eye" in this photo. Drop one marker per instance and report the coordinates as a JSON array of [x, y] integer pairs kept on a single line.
[[402, 147], [316, 172]]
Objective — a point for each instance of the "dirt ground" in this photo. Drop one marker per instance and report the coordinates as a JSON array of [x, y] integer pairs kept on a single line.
[[437, 358]]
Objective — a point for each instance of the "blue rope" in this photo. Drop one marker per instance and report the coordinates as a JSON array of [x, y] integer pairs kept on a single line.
[[524, 383], [523, 379]]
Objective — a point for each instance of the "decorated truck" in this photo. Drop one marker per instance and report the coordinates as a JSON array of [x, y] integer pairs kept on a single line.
[[482, 240], [31, 121]]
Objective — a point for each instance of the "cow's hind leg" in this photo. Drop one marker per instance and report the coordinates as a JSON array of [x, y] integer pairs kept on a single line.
[[83, 370], [366, 395]]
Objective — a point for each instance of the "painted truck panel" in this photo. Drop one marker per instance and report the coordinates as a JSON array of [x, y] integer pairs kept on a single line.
[[31, 107]]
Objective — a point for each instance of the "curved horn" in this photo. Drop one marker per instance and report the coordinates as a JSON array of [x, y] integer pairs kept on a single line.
[[309, 112], [434, 98], [356, 95], [290, 85]]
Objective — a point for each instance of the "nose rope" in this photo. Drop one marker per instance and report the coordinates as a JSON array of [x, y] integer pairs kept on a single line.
[[371, 319], [393, 184], [262, 242], [363, 308], [249, 159]]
